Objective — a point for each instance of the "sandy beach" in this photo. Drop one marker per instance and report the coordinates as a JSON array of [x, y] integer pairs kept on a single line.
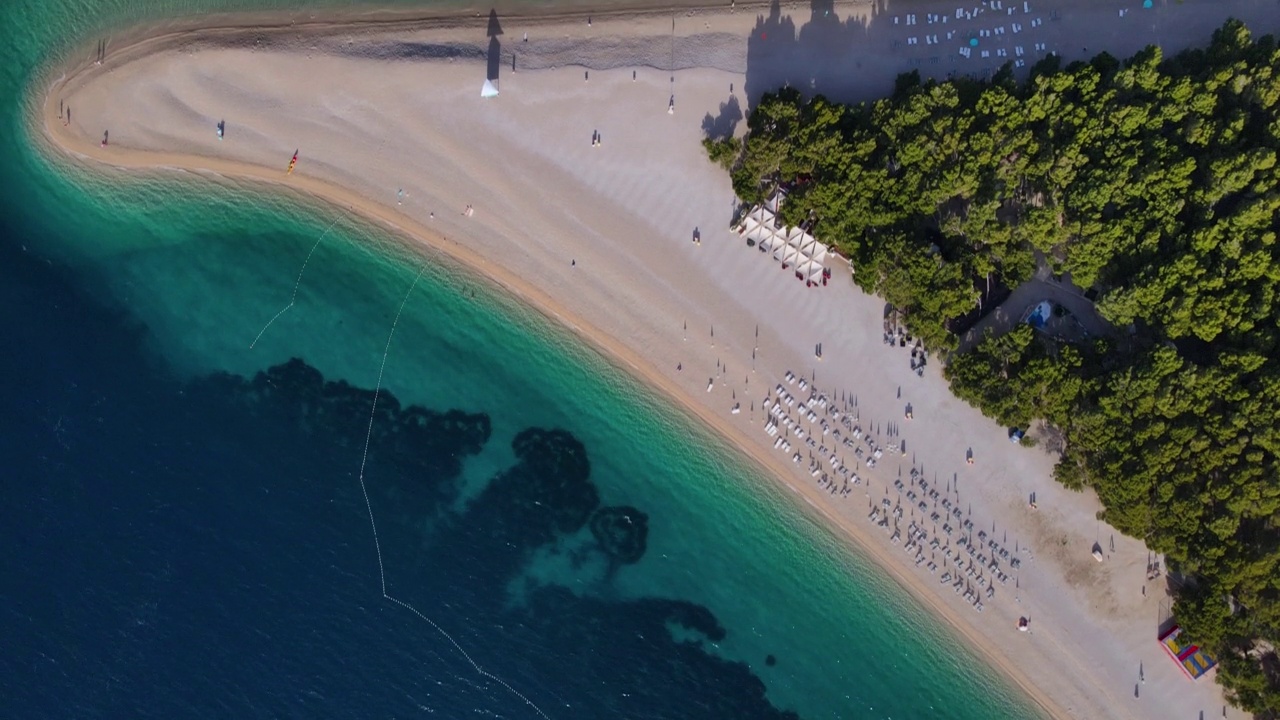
[[388, 121]]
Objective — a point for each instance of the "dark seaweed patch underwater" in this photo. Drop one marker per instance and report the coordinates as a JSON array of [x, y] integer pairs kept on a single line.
[[202, 549]]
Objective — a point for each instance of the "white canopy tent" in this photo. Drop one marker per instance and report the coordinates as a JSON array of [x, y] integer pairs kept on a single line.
[[765, 216], [819, 253], [774, 201], [791, 246], [791, 256], [811, 270], [795, 237], [758, 231]]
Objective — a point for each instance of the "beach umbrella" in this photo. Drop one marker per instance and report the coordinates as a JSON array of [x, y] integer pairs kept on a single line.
[[973, 42]]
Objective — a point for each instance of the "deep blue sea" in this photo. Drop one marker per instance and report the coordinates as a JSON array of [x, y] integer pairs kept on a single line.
[[187, 498]]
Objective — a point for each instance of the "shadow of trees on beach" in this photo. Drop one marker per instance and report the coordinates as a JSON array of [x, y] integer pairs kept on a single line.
[[824, 55], [722, 126], [858, 56]]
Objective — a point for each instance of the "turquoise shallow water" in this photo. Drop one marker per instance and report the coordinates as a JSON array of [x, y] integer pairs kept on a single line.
[[174, 281]]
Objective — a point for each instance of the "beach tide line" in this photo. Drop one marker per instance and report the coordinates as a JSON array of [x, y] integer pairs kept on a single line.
[[373, 525]]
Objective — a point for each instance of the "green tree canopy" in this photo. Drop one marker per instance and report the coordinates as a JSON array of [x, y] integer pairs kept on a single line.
[[1154, 183]]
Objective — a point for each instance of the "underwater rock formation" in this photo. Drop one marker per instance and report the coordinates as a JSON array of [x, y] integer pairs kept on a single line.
[[412, 440], [622, 532], [549, 490], [315, 429]]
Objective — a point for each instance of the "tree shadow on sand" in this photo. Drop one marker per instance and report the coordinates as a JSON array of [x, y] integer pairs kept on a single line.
[[724, 124], [825, 55]]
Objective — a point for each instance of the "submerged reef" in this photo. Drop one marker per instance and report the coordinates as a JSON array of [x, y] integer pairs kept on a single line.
[[457, 558], [622, 533]]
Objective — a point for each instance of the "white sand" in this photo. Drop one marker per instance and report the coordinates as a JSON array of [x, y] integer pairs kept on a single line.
[[377, 109]]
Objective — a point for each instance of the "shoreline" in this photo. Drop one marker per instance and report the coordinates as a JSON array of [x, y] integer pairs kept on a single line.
[[499, 280], [415, 236], [61, 145]]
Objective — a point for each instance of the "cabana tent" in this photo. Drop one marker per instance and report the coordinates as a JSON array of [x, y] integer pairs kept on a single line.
[[790, 256], [791, 246], [764, 218], [819, 252], [775, 201], [796, 237], [757, 231], [811, 270]]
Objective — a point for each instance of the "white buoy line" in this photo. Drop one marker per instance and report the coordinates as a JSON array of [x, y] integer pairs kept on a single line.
[[373, 525]]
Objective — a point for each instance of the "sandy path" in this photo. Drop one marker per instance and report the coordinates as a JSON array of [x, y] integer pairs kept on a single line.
[[599, 238]]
